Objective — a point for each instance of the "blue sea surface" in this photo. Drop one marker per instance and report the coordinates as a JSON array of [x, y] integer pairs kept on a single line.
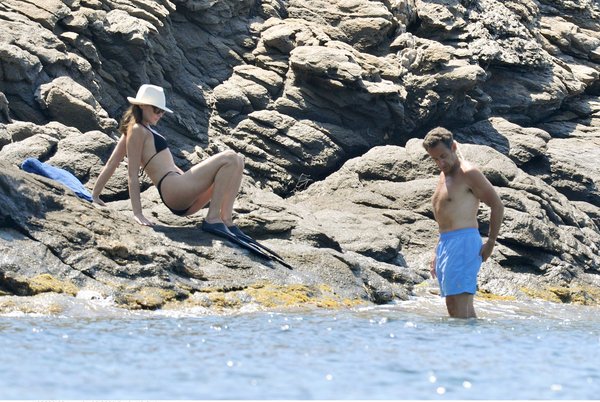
[[410, 350]]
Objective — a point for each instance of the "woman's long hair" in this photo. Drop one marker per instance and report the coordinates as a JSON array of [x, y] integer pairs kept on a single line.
[[132, 115]]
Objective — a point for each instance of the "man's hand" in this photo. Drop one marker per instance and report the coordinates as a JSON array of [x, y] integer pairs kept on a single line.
[[432, 268], [486, 250], [141, 219]]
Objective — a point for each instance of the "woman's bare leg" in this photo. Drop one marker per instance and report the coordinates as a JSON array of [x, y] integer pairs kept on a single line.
[[201, 202], [214, 180], [233, 189], [217, 179], [225, 190]]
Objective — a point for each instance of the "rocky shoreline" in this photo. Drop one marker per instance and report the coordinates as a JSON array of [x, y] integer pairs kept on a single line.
[[328, 110]]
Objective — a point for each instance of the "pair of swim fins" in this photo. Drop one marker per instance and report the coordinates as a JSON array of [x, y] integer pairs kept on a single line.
[[235, 234]]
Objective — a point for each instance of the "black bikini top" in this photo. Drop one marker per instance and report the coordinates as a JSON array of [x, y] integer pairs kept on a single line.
[[160, 144]]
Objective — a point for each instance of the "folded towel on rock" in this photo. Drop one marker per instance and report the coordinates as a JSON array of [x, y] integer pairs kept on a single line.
[[33, 165]]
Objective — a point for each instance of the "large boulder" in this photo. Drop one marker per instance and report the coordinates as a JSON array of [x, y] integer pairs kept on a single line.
[[73, 105], [379, 205], [105, 251], [327, 101], [362, 23], [521, 144]]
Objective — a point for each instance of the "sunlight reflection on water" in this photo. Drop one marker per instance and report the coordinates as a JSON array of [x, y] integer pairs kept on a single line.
[[409, 350]]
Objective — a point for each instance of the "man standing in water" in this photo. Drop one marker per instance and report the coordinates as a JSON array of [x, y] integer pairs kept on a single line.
[[459, 252]]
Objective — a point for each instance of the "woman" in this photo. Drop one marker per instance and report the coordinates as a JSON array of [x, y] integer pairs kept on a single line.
[[217, 179]]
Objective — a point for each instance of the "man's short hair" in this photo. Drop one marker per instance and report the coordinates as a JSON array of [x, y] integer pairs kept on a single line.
[[436, 136]]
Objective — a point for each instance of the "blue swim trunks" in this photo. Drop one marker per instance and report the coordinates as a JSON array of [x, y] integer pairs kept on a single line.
[[458, 261]]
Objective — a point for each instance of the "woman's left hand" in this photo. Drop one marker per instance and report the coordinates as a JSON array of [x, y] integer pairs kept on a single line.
[[141, 219]]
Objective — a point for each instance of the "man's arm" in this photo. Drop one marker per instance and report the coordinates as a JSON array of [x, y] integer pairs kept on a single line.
[[483, 190], [434, 207], [433, 261]]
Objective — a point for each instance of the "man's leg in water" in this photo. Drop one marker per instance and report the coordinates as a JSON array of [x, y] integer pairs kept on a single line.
[[461, 306]]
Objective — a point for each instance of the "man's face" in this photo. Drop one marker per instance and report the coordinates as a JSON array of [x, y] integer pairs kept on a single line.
[[444, 157]]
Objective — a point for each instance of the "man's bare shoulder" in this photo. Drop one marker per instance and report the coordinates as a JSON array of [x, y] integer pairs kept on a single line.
[[469, 170], [473, 176], [468, 167], [476, 180]]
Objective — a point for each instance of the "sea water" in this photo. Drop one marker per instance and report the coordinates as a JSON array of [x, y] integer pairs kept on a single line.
[[409, 350]]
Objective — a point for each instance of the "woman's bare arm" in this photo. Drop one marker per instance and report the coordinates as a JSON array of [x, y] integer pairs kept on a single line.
[[135, 146], [109, 169]]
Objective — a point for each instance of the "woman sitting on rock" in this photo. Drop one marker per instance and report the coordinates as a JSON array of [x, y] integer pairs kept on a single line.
[[217, 179]]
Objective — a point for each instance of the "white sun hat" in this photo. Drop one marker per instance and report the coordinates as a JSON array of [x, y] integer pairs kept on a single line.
[[150, 95]]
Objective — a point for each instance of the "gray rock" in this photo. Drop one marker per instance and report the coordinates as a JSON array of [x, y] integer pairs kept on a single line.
[[39, 146], [444, 17], [273, 8], [573, 167], [364, 24], [82, 154], [327, 108], [145, 268], [18, 64], [522, 145], [370, 198], [591, 210], [570, 38], [4, 110], [73, 105], [5, 137], [21, 130], [46, 13]]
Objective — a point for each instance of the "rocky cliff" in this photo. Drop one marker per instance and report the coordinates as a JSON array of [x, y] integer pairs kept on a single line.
[[327, 101]]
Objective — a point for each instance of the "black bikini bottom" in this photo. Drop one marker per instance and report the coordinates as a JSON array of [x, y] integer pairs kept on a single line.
[[179, 212]]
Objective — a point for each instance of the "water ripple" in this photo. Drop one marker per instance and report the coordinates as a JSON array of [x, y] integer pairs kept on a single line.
[[88, 349]]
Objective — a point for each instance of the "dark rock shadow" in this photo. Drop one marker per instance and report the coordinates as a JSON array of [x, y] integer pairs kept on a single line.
[[525, 259], [190, 235], [194, 236], [484, 134]]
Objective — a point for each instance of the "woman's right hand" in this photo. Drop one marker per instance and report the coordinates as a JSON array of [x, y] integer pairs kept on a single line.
[[96, 200], [141, 219]]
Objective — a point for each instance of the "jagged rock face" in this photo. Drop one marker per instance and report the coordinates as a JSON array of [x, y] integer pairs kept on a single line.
[[325, 99]]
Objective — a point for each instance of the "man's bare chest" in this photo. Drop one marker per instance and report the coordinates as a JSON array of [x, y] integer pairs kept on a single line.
[[451, 191]]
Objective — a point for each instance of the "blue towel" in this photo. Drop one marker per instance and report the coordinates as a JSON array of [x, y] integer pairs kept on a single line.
[[33, 165]]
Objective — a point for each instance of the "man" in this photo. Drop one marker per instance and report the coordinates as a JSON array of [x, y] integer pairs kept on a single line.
[[459, 252]]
